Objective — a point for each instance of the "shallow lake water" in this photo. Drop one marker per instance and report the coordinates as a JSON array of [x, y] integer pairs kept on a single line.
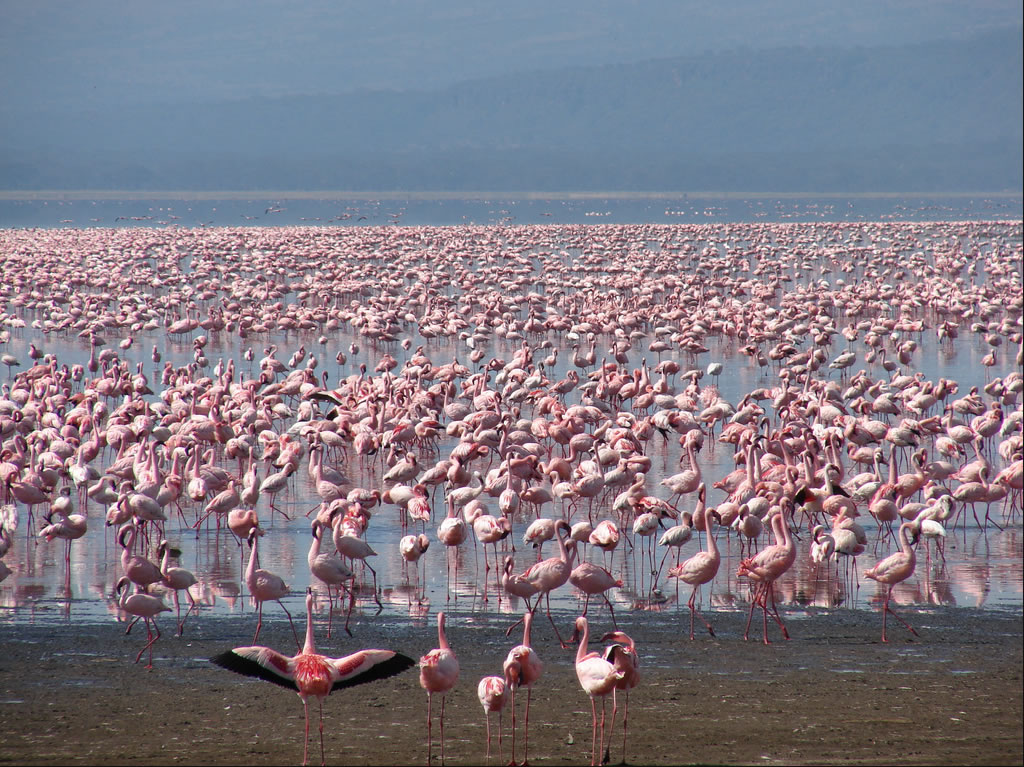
[[980, 566]]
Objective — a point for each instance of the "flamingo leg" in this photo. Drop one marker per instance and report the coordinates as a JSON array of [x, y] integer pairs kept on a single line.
[[695, 611], [487, 721], [376, 598], [775, 612], [193, 605], [330, 608], [887, 609], [305, 742], [500, 715], [593, 731], [526, 727], [259, 621], [443, 699], [657, 575], [750, 615], [152, 639], [430, 723], [351, 605], [513, 760], [528, 610], [323, 759], [177, 608], [625, 726], [298, 644], [547, 599], [448, 575], [611, 728]]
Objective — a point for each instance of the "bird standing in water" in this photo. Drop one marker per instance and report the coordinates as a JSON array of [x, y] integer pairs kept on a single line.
[[896, 568]]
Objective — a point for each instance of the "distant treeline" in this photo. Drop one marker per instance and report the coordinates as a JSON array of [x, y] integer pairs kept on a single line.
[[931, 117]]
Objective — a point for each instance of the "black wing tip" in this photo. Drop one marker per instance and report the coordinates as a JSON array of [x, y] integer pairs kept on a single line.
[[393, 666], [232, 661]]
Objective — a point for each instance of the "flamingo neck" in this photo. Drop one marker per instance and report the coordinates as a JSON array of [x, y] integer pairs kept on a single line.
[[442, 639], [581, 653], [308, 648]]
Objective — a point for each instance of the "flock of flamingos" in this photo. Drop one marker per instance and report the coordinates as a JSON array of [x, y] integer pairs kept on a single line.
[[502, 386]]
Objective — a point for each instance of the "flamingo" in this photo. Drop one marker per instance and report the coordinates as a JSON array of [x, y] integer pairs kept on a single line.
[[518, 586], [605, 536], [674, 538], [538, 532], [492, 693], [412, 547], [689, 480], [895, 568], [354, 548], [527, 667], [68, 527], [264, 585], [598, 677], [593, 579], [701, 568], [439, 671], [139, 570], [329, 570], [766, 567], [489, 530], [274, 483], [553, 572], [178, 579], [623, 656], [145, 606], [312, 674], [452, 532]]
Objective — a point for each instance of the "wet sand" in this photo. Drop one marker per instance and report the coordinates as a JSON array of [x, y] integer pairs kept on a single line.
[[833, 694]]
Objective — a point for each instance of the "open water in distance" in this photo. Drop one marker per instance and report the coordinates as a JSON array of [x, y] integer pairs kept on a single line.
[[314, 211]]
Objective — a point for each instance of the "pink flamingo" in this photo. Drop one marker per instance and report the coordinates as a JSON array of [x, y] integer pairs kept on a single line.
[[330, 571], [491, 691], [623, 656], [312, 674], [452, 533], [264, 585], [553, 572], [895, 568], [439, 671], [592, 580], [139, 570], [489, 530], [143, 606], [597, 677], [68, 527], [178, 579], [689, 480], [606, 536], [353, 547], [518, 586], [766, 567], [701, 568], [523, 659]]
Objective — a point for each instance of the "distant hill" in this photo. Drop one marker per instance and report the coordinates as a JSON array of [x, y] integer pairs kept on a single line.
[[934, 116]]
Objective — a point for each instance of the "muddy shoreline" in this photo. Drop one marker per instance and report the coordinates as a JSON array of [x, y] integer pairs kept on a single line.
[[833, 694]]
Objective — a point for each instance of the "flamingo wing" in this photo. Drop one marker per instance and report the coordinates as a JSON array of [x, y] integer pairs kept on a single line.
[[260, 662], [368, 666]]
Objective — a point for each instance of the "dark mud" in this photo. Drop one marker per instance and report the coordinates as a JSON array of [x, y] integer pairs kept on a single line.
[[833, 694]]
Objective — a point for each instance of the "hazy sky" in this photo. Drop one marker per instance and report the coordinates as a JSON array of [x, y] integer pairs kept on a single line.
[[114, 50]]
